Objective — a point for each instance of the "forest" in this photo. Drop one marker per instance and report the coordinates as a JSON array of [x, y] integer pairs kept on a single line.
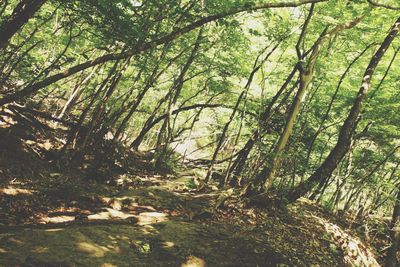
[[199, 133]]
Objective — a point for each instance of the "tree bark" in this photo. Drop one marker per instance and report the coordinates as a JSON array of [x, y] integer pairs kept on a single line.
[[256, 67], [265, 178], [348, 127], [240, 162], [328, 110], [391, 256], [24, 10]]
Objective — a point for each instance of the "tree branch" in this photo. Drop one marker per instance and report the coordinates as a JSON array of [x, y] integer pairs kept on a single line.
[[32, 88], [372, 2]]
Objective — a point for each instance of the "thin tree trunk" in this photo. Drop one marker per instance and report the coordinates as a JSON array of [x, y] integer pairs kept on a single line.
[[391, 256], [149, 83], [99, 111], [264, 180], [350, 124], [165, 134], [35, 87], [328, 110], [373, 92], [240, 161], [74, 132], [79, 88], [152, 121], [256, 68]]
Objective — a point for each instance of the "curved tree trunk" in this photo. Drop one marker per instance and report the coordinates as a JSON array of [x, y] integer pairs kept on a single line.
[[348, 127], [265, 178]]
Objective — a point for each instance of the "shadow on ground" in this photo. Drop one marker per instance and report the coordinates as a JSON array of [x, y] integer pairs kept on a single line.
[[169, 243]]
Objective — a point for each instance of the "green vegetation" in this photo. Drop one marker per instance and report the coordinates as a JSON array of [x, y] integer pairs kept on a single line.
[[206, 111]]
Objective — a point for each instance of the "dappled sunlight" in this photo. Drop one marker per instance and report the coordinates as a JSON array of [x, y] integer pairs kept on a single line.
[[16, 241], [134, 181], [12, 191], [110, 214], [7, 121], [113, 247], [135, 207], [148, 229], [111, 237], [122, 237], [68, 211], [54, 230], [199, 133], [46, 144], [40, 249], [168, 244], [193, 261], [92, 249], [118, 202], [58, 219], [165, 244], [354, 251], [146, 218]]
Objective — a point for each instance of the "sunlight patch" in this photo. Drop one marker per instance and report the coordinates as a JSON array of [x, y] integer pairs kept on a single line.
[[193, 261], [12, 191], [151, 217], [110, 214], [58, 219], [94, 250], [355, 252], [148, 229], [40, 249], [168, 244], [54, 230]]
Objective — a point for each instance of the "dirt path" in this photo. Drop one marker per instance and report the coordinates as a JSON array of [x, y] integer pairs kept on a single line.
[[162, 223], [163, 244], [143, 227]]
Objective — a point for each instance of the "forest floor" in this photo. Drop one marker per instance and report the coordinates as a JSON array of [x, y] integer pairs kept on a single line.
[[52, 215]]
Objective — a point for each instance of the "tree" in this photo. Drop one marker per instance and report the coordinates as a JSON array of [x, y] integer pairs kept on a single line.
[[349, 125], [139, 48], [265, 178], [391, 256], [24, 10]]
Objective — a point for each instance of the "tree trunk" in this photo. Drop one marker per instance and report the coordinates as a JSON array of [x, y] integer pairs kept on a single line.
[[35, 87], [328, 110], [243, 94], [265, 178], [391, 257], [24, 10], [165, 135], [78, 90], [240, 162], [348, 127]]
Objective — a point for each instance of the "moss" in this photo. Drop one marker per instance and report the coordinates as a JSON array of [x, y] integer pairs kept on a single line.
[[163, 244]]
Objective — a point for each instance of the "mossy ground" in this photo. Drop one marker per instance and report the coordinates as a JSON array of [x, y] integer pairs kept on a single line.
[[170, 243], [220, 239]]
